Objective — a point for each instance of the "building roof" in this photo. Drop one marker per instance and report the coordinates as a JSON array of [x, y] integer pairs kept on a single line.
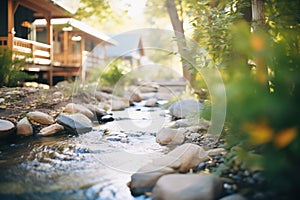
[[50, 7], [79, 25], [129, 45]]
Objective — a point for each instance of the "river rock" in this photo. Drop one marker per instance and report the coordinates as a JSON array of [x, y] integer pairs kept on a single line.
[[51, 130], [216, 151], [40, 117], [99, 112], [233, 197], [104, 105], [73, 125], [148, 88], [24, 127], [133, 96], [183, 158], [185, 108], [6, 127], [102, 96], [106, 118], [151, 102], [148, 95], [197, 128], [119, 104], [144, 180], [182, 123], [80, 117], [77, 108], [188, 187], [170, 136]]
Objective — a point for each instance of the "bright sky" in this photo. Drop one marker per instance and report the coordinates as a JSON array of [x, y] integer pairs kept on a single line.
[[134, 7]]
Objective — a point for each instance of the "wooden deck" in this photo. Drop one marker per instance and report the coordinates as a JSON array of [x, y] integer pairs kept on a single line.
[[40, 58], [34, 52]]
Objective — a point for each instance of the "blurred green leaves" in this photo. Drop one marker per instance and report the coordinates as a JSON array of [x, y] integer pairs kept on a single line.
[[11, 73]]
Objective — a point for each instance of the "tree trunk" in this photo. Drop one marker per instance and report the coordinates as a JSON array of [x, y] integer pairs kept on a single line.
[[177, 25], [258, 15], [258, 23]]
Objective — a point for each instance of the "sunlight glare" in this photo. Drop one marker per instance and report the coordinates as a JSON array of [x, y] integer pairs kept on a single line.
[[133, 7]]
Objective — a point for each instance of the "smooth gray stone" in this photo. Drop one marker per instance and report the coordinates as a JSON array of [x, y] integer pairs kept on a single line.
[[73, 125]]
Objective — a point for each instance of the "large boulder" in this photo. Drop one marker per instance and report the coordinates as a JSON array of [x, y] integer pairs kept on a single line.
[[183, 158], [40, 117], [145, 178], [24, 127], [188, 187], [170, 136], [72, 125], [185, 108]]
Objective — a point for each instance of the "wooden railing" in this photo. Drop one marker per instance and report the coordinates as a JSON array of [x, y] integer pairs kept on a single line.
[[34, 52], [91, 60], [87, 59], [40, 53], [67, 60], [3, 41]]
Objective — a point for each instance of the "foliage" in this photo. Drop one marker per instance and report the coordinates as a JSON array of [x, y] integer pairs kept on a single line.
[[264, 118], [99, 8], [212, 31], [101, 14], [112, 75], [10, 69]]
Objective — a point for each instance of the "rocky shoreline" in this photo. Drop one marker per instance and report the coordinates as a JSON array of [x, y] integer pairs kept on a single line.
[[186, 172]]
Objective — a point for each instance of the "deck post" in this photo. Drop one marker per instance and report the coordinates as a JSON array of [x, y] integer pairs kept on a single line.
[[10, 18], [65, 47], [50, 42], [83, 61]]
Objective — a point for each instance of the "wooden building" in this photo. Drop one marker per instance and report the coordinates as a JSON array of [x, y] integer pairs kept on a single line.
[[17, 32], [129, 49], [73, 45]]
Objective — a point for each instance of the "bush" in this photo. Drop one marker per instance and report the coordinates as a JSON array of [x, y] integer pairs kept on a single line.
[[264, 117], [111, 76], [10, 69], [262, 114]]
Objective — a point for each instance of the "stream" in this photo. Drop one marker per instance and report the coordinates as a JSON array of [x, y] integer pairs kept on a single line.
[[94, 165]]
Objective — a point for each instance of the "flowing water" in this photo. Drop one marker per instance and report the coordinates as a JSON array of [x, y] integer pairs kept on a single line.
[[94, 165]]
